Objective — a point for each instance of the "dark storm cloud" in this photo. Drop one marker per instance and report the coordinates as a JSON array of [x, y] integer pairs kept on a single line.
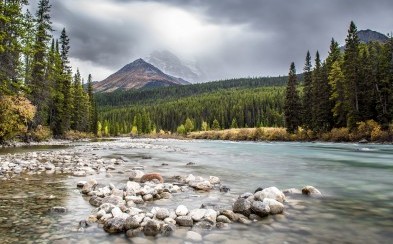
[[276, 32]]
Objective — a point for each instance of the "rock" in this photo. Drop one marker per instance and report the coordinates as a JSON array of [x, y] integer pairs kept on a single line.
[[258, 189], [134, 232], [107, 207], [80, 184], [152, 228], [204, 225], [116, 212], [170, 221], [242, 206], [132, 187], [224, 189], [185, 221], [260, 208], [117, 193], [193, 236], [134, 211], [49, 166], [270, 192], [165, 195], [181, 210], [363, 141], [148, 197], [114, 225], [223, 219], [254, 217], [106, 217], [202, 185], [310, 190], [95, 201], [135, 199], [88, 187], [214, 180], [79, 173], [162, 213], [243, 219], [100, 213], [230, 214], [115, 200], [58, 209], [191, 164], [168, 229], [210, 215], [135, 175], [275, 206], [134, 222], [222, 226], [197, 214], [151, 177], [190, 178], [92, 219]]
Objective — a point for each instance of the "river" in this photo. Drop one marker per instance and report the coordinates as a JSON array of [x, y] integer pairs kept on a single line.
[[355, 179]]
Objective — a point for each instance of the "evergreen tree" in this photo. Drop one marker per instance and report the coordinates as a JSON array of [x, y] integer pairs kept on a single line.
[[39, 84], [336, 81], [351, 73], [292, 105], [216, 125], [11, 31], [93, 106], [189, 126], [234, 123], [307, 93]]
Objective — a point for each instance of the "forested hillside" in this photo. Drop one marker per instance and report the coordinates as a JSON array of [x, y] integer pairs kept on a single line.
[[39, 94], [151, 96]]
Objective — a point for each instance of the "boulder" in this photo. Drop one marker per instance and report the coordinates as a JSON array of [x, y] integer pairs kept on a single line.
[[214, 180], [230, 214], [224, 189], [114, 225], [181, 210], [152, 228], [132, 187], [201, 185], [242, 206], [151, 177], [58, 209], [292, 191], [246, 195], [89, 186], [134, 222], [275, 206], [95, 201], [162, 213], [210, 215], [135, 199], [260, 208], [204, 225], [115, 200], [223, 219], [135, 175], [134, 232], [168, 229], [311, 191], [197, 214], [80, 184], [185, 221], [190, 178], [271, 192]]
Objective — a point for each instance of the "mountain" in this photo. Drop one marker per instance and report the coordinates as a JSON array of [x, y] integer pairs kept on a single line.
[[172, 65], [367, 36], [136, 75]]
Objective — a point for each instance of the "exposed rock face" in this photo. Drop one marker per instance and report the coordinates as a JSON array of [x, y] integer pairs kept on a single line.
[[138, 74]]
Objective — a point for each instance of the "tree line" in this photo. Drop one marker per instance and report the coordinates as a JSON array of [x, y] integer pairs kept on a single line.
[[35, 71], [231, 108], [343, 91]]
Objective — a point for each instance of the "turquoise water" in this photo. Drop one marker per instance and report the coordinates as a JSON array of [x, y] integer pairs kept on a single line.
[[356, 181]]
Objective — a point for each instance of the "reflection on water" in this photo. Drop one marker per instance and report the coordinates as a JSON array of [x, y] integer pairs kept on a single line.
[[357, 207]]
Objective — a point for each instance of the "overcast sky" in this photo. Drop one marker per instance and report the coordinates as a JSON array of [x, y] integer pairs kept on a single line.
[[228, 38]]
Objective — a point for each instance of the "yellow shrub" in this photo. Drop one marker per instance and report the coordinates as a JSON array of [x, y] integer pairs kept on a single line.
[[339, 134], [41, 133]]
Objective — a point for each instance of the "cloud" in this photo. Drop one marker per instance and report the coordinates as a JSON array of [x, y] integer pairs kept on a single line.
[[231, 38]]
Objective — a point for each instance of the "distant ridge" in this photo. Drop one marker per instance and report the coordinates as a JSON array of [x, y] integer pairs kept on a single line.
[[136, 75]]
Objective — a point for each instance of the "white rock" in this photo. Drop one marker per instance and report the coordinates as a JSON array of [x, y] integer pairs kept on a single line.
[[197, 214], [211, 215], [275, 206], [271, 192], [214, 180], [181, 210], [189, 178]]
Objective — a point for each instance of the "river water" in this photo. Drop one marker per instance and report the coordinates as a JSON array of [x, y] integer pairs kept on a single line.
[[355, 180]]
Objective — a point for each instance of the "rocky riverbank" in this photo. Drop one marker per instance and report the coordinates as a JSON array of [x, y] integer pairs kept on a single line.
[[123, 208]]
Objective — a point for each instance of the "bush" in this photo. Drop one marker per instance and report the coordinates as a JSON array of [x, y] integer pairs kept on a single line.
[[41, 133], [363, 130], [379, 135], [339, 134], [15, 113], [181, 130], [74, 135]]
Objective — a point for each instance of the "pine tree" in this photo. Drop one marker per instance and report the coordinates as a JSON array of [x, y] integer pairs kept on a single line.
[[39, 85], [93, 106], [11, 31], [216, 125], [292, 105], [234, 124], [351, 73], [336, 81], [308, 93]]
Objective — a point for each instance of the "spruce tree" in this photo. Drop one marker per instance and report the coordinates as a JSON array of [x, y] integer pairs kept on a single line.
[[336, 81], [351, 73], [292, 107], [308, 93], [39, 84]]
